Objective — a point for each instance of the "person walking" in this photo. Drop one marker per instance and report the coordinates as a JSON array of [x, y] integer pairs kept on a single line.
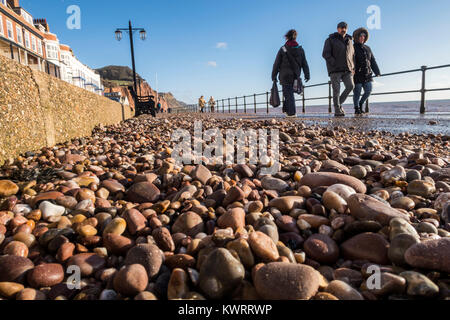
[[339, 53], [158, 106], [365, 67], [289, 63], [212, 104], [201, 104]]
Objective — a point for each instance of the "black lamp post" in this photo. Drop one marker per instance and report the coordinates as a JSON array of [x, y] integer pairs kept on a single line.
[[143, 36]]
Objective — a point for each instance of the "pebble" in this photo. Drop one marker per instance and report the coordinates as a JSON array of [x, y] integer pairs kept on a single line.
[[343, 291], [421, 188], [242, 248], [418, 284], [115, 226], [201, 173], [30, 294], [318, 179], [16, 248], [10, 289], [398, 246], [286, 281], [148, 255], [332, 200], [117, 244], [366, 246], [135, 221], [431, 254], [131, 280], [321, 248], [220, 274], [51, 212], [364, 207], [288, 203], [178, 287], [45, 275], [89, 263], [142, 192], [358, 172], [163, 239], [8, 188], [233, 218], [342, 190], [271, 183], [404, 203], [14, 268], [188, 223], [263, 246], [234, 194]]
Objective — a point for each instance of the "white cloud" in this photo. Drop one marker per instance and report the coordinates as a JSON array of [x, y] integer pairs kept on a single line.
[[212, 64], [221, 45]]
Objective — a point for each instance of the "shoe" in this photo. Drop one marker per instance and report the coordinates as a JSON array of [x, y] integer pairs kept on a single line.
[[342, 110], [358, 111]]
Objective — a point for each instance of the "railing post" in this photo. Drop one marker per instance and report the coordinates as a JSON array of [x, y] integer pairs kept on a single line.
[[229, 108], [236, 105], [422, 100], [254, 102], [245, 106], [267, 102], [367, 106], [330, 97], [303, 101]]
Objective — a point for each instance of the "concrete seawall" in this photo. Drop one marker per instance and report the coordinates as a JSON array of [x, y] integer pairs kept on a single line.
[[38, 110]]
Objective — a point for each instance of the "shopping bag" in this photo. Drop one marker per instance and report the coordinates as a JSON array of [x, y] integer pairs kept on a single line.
[[275, 96]]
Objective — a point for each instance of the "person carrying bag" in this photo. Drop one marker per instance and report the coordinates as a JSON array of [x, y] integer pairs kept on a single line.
[[289, 63]]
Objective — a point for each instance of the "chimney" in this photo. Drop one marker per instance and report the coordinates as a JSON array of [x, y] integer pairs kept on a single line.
[[14, 3], [42, 22]]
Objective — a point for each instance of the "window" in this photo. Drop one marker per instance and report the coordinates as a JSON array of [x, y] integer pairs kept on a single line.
[[52, 51], [33, 43], [1, 25], [19, 35], [39, 44], [9, 27], [27, 39]]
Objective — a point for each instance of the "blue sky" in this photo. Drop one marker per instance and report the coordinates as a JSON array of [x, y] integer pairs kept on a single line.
[[183, 36]]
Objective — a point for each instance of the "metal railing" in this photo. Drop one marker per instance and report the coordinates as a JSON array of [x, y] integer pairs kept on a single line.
[[249, 102]]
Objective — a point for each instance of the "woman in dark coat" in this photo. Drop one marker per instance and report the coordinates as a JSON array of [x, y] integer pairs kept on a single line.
[[287, 70], [365, 66]]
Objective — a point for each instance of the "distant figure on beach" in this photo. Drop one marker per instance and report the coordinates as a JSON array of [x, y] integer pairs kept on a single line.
[[365, 66], [212, 104], [158, 106], [289, 63], [201, 104], [339, 53]]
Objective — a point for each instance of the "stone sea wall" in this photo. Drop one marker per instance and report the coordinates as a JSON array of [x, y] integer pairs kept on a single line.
[[38, 110]]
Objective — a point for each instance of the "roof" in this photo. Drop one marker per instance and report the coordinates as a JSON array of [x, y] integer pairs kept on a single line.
[[19, 18]]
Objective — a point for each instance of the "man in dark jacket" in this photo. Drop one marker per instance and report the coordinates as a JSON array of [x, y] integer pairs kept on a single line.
[[365, 66], [290, 70], [338, 51]]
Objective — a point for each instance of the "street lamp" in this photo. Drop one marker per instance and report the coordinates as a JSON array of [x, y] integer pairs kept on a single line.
[[130, 30]]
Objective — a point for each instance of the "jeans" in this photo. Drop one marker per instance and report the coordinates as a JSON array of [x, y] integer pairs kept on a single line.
[[347, 78], [289, 99], [357, 93]]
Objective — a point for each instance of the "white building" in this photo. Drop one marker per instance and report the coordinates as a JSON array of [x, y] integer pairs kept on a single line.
[[77, 73]]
